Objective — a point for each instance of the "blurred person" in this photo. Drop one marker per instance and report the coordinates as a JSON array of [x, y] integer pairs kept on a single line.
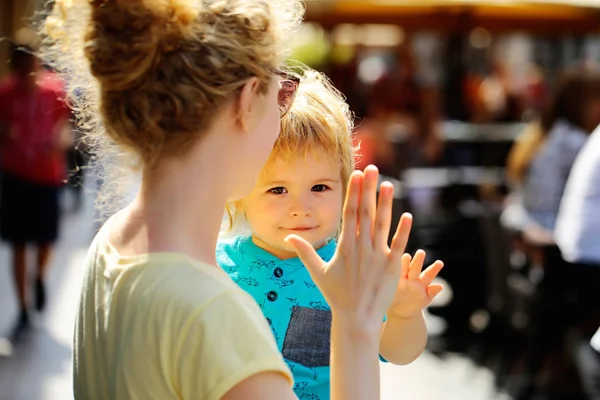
[[541, 159], [577, 235], [578, 221], [522, 152], [565, 127], [34, 131], [514, 217]]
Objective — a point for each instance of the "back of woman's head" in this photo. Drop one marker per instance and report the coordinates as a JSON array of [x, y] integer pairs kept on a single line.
[[576, 91], [163, 67], [159, 70]]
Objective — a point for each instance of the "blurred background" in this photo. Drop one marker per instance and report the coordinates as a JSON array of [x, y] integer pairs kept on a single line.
[[454, 101]]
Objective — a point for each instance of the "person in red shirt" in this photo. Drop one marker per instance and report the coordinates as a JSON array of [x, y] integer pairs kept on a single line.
[[33, 125]]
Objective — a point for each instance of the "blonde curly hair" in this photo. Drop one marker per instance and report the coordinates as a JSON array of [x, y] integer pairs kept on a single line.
[[158, 70], [319, 119]]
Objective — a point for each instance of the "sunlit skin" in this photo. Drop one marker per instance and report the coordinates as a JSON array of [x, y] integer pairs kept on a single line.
[[302, 197]]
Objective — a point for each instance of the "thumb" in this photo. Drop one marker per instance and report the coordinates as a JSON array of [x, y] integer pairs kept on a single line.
[[307, 255], [434, 289]]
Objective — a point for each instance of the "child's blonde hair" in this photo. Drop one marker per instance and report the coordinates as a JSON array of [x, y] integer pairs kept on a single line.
[[319, 119], [156, 71]]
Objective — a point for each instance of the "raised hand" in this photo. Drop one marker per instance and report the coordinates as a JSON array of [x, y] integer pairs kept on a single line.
[[362, 277], [415, 289]]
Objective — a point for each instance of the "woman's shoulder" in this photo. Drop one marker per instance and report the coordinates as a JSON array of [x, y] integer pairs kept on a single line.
[[187, 283], [172, 280]]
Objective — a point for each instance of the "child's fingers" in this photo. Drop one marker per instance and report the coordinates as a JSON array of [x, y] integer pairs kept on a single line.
[[431, 272], [383, 219], [434, 289], [416, 265], [405, 265]]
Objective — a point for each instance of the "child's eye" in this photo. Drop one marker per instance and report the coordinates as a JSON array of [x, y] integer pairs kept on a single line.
[[278, 190], [320, 188]]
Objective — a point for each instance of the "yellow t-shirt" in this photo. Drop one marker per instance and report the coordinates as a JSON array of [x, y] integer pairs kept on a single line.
[[165, 326]]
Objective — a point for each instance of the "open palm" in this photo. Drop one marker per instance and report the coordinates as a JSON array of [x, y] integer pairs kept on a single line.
[[415, 288], [361, 278]]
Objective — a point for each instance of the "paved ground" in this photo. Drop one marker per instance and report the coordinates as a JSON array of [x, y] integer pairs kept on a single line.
[[40, 369]]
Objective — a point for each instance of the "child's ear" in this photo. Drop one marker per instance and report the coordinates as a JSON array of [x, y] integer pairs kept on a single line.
[[234, 210], [239, 207], [240, 212]]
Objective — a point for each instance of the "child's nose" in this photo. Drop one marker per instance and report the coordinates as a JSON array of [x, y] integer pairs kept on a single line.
[[301, 214], [300, 208]]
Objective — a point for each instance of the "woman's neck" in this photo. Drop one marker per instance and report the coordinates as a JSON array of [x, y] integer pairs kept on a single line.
[[179, 208]]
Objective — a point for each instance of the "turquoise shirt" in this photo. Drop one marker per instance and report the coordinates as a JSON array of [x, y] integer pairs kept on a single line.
[[293, 305]]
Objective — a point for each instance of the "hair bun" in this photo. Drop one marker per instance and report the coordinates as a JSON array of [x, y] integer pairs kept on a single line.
[[125, 37]]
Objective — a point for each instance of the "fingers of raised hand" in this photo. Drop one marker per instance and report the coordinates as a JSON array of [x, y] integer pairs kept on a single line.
[[405, 265], [431, 272], [434, 289], [383, 219], [307, 254], [367, 206], [416, 265], [350, 212]]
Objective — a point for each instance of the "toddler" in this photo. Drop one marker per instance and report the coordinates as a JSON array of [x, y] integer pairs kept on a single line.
[[300, 191]]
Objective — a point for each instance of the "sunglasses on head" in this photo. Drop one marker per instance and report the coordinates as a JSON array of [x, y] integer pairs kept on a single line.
[[287, 91]]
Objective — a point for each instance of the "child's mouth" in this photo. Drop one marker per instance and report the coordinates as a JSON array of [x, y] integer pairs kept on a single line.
[[301, 228]]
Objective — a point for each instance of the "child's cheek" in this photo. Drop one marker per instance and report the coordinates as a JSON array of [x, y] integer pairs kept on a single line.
[[275, 206]]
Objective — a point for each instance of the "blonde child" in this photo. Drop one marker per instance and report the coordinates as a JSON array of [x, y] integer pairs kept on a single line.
[[300, 191], [190, 90]]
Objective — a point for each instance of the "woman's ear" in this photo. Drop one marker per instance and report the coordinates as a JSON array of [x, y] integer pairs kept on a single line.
[[250, 105]]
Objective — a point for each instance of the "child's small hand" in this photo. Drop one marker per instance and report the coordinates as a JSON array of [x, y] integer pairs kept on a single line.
[[415, 290]]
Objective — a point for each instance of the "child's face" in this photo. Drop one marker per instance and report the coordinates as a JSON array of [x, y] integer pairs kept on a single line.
[[303, 197]]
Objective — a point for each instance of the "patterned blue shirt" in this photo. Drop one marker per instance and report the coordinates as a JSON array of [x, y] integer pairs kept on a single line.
[[293, 305]]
